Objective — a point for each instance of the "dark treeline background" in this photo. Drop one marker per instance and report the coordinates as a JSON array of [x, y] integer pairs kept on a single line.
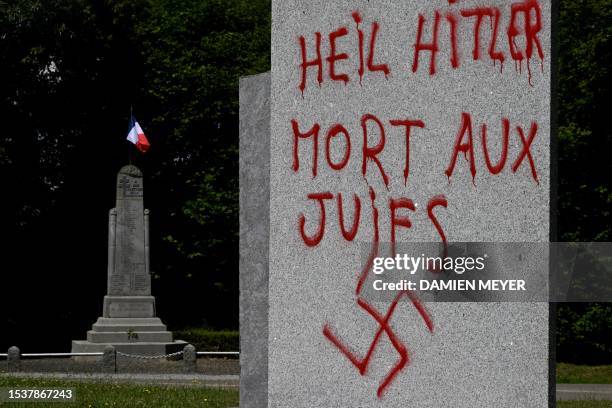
[[584, 331], [69, 71]]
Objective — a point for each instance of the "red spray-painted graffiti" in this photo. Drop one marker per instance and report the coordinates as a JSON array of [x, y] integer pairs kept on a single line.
[[520, 41], [464, 143], [523, 24], [383, 321], [362, 364]]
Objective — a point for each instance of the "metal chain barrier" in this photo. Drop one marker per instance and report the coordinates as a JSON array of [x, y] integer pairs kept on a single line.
[[178, 353]]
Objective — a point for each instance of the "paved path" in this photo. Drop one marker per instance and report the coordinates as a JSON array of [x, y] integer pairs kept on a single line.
[[584, 392], [191, 380]]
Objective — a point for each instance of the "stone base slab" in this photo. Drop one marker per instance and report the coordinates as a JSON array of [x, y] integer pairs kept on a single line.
[[127, 336], [144, 336], [124, 324]]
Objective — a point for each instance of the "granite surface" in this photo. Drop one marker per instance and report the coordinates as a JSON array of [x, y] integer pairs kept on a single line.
[[462, 354], [254, 238]]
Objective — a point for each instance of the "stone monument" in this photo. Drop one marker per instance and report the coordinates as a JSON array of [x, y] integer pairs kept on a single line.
[[129, 321], [395, 121]]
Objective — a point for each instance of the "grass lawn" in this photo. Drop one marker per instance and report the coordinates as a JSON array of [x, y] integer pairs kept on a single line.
[[89, 394], [578, 374], [584, 404]]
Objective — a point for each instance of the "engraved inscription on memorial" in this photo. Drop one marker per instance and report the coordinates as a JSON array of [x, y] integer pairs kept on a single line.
[[141, 283], [131, 308], [118, 282], [130, 186]]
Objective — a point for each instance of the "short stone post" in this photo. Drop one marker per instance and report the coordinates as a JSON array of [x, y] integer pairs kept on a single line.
[[14, 359], [109, 360], [190, 359]]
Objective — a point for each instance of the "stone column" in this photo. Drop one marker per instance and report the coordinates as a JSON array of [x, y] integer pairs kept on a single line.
[[146, 241], [112, 225], [129, 282]]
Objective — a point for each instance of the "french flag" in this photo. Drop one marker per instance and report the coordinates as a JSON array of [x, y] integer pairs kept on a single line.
[[137, 136]]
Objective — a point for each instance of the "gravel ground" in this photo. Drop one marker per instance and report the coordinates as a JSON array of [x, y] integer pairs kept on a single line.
[[208, 366]]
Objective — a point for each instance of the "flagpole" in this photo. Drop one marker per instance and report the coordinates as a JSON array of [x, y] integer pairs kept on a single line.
[[129, 147]]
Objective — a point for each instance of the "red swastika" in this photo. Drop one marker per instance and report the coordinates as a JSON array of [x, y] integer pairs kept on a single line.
[[383, 321], [384, 327]]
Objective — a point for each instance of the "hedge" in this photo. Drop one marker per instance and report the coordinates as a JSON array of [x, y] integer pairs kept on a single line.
[[584, 333], [209, 340]]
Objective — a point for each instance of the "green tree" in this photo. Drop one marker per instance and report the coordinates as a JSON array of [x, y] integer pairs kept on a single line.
[[585, 137], [585, 196], [193, 56], [70, 71]]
